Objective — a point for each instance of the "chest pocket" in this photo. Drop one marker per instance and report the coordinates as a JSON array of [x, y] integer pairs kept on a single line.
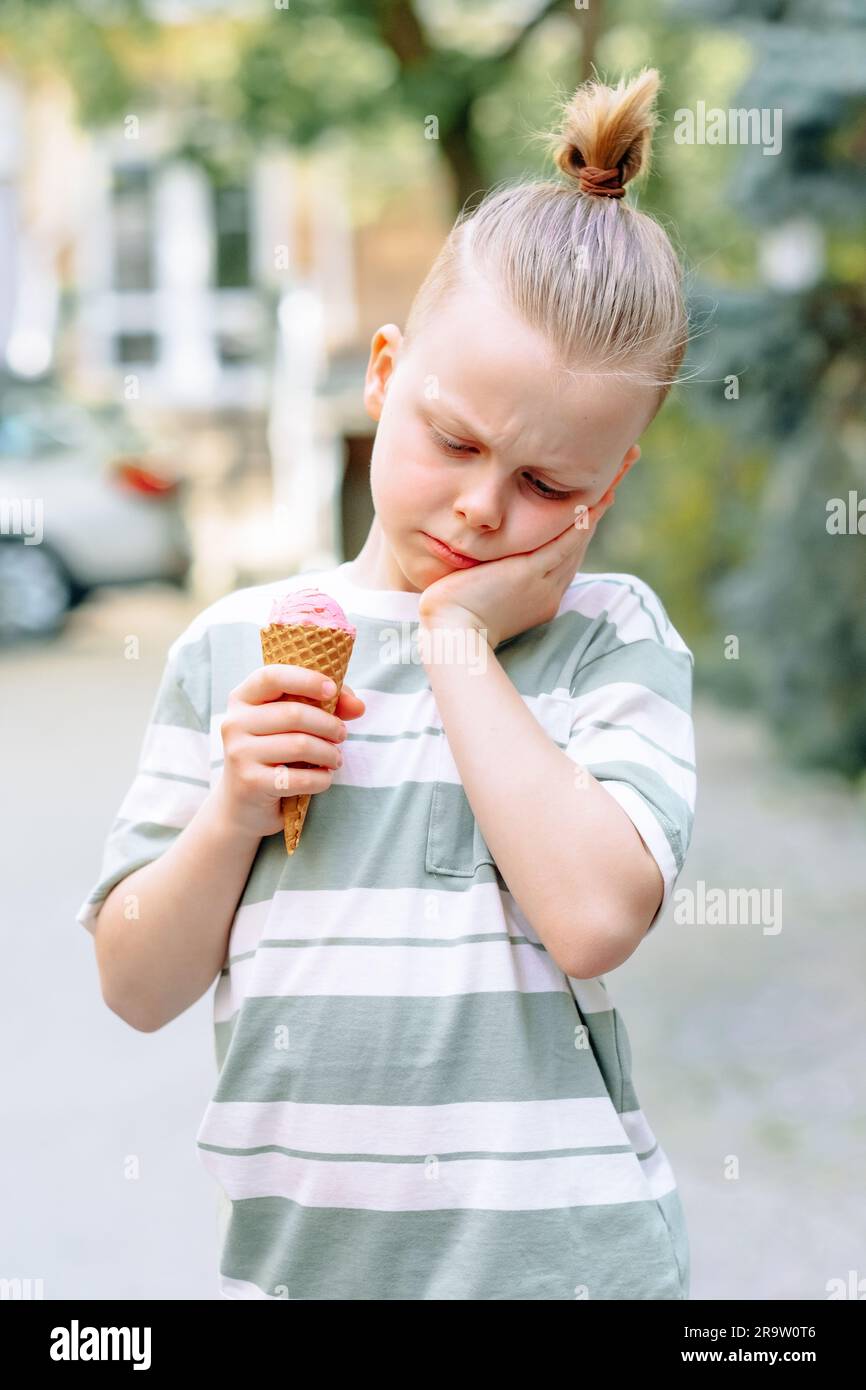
[[455, 844]]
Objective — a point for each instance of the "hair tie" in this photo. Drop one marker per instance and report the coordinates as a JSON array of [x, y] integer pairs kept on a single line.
[[601, 182]]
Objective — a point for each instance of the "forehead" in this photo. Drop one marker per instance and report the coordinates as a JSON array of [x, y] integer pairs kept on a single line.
[[480, 365]]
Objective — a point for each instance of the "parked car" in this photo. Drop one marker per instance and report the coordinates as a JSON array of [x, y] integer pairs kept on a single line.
[[83, 504]]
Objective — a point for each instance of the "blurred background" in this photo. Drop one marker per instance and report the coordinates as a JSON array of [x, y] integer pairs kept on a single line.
[[206, 210]]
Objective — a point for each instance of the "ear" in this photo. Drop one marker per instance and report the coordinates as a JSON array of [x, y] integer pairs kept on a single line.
[[384, 347]]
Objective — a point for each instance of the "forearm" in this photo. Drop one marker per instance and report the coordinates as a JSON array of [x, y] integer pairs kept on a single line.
[[162, 933], [567, 860]]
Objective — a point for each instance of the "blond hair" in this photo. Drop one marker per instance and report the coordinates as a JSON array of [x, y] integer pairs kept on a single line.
[[599, 279]]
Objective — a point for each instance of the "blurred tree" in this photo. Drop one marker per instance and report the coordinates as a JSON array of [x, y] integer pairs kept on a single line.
[[728, 547], [434, 67], [295, 73], [797, 347], [81, 42]]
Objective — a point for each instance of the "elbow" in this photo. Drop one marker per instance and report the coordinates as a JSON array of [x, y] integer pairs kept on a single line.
[[139, 1022], [605, 921], [113, 999], [129, 1011], [597, 944]]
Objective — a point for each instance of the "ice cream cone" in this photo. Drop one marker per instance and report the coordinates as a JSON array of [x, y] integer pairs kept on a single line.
[[317, 647]]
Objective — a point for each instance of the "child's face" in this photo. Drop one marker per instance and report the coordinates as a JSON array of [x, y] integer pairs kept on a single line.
[[479, 379]]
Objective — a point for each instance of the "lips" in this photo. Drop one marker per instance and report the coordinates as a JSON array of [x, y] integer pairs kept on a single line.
[[444, 549], [461, 554]]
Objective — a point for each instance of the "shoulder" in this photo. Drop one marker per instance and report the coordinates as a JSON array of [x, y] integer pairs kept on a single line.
[[250, 606], [625, 603]]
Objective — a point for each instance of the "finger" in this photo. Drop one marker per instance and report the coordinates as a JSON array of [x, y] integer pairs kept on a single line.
[[272, 681], [588, 517], [568, 566], [607, 501], [290, 716], [567, 551], [576, 535], [293, 748]]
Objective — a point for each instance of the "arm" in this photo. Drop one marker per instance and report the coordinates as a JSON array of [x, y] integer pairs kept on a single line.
[[162, 933], [161, 957], [577, 866]]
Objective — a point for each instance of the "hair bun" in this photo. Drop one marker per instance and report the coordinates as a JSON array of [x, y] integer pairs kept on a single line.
[[605, 136]]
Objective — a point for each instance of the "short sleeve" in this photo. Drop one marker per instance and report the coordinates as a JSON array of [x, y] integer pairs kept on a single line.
[[631, 715], [171, 780]]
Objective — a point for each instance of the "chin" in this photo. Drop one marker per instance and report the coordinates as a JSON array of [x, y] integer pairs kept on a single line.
[[408, 568]]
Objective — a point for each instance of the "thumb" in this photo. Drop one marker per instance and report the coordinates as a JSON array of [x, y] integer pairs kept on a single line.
[[353, 703]]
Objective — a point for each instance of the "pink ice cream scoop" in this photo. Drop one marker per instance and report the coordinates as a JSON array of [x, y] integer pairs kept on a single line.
[[310, 606]]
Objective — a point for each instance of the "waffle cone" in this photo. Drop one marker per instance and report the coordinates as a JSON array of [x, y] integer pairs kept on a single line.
[[323, 649]]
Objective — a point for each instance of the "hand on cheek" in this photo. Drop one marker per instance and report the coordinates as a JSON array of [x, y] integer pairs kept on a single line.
[[505, 597]]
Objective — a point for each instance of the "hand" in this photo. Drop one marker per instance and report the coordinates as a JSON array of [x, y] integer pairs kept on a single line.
[[504, 597], [275, 719]]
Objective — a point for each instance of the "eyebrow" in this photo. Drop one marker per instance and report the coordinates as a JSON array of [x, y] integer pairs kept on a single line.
[[554, 471]]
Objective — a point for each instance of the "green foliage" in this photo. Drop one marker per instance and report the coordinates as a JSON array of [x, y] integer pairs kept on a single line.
[[798, 603], [800, 608], [684, 515], [79, 42], [725, 514], [294, 81]]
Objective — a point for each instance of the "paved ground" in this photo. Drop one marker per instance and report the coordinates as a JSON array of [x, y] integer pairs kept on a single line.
[[748, 1047]]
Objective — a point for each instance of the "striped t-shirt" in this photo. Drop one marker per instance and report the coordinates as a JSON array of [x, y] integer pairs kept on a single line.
[[413, 1100]]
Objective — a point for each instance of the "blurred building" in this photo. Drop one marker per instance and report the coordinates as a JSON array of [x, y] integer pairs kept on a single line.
[[229, 300]]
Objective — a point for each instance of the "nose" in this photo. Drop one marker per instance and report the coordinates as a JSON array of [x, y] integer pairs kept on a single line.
[[480, 505]]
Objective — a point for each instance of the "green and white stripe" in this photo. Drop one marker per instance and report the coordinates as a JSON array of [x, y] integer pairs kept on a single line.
[[413, 1100]]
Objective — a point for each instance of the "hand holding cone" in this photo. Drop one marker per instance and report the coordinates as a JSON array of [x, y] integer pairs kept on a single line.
[[309, 629]]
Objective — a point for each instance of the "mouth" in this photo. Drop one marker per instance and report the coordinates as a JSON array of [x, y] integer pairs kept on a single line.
[[453, 557]]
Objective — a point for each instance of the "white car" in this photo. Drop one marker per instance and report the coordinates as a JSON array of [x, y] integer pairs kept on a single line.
[[79, 509]]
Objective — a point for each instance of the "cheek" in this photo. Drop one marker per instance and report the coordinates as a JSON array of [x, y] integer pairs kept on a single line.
[[536, 524], [403, 477], [397, 487]]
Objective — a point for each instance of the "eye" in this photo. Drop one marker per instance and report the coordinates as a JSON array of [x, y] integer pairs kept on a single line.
[[448, 443], [452, 447], [549, 492]]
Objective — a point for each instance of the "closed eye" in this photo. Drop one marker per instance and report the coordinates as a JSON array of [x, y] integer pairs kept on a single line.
[[452, 446]]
